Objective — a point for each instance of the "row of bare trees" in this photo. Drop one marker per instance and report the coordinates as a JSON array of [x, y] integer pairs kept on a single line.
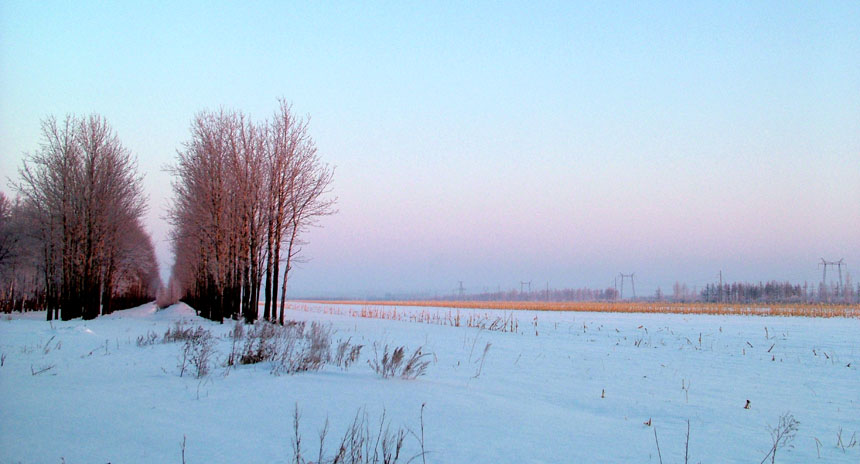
[[244, 192], [773, 292], [73, 242], [550, 294]]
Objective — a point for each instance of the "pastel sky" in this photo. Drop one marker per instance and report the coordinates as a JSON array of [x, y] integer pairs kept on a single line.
[[554, 142]]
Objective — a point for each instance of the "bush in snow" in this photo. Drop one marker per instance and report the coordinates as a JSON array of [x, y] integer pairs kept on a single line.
[[262, 343], [782, 435], [196, 353], [291, 348], [236, 336], [180, 332], [309, 351]]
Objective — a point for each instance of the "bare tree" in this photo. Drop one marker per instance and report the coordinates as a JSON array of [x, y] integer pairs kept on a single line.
[[242, 192], [8, 239], [82, 194], [307, 200], [218, 215]]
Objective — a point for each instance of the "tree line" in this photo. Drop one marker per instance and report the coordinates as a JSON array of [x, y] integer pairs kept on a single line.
[[244, 192], [780, 292], [549, 294], [73, 241], [734, 292]]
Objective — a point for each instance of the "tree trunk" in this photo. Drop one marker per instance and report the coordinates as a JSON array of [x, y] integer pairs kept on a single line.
[[275, 269], [287, 273], [267, 312], [107, 290]]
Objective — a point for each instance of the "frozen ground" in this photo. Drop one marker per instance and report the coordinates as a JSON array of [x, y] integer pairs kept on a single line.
[[537, 398]]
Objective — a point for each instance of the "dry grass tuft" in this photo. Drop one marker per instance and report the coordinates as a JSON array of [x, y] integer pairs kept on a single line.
[[291, 348], [363, 442], [397, 364]]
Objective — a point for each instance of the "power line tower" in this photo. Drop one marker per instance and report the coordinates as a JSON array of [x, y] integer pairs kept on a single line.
[[461, 292], [840, 287], [523, 284], [721, 285], [632, 283], [824, 263]]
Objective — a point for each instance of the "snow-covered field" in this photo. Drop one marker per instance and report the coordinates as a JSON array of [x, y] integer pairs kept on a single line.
[[566, 387]]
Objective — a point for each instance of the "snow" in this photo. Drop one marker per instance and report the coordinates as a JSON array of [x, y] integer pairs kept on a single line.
[[537, 398]]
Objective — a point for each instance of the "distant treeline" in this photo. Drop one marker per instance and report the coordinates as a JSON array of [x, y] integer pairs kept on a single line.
[[780, 292], [552, 294], [737, 292], [73, 242], [243, 194]]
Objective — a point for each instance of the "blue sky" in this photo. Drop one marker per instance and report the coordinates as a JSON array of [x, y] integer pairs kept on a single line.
[[561, 142]]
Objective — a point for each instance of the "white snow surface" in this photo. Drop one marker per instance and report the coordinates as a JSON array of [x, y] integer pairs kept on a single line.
[[537, 398]]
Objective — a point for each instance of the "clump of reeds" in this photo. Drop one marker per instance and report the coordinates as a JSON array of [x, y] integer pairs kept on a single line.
[[396, 363]]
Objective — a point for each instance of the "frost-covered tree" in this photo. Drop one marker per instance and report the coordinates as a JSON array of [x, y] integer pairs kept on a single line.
[[243, 194], [82, 198]]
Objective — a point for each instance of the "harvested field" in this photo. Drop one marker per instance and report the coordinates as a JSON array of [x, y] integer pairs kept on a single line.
[[745, 309]]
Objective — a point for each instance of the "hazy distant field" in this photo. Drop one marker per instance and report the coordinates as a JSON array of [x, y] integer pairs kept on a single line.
[[762, 309]]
